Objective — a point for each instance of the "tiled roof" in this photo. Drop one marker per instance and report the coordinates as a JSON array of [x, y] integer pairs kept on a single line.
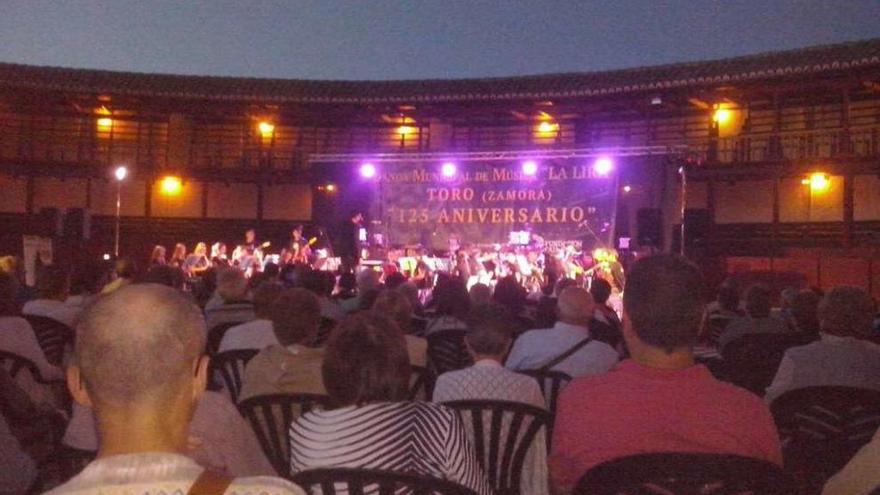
[[772, 65]]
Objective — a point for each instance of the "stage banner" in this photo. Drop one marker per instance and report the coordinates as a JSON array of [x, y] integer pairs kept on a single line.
[[485, 202]]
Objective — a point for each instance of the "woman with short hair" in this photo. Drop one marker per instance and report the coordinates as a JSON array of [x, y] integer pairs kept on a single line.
[[371, 425]]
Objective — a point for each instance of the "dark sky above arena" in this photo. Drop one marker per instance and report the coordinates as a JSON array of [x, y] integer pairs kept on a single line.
[[378, 39]]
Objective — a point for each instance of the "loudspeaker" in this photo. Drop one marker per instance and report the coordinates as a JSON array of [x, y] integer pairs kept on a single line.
[[649, 222], [50, 222], [696, 225], [78, 224]]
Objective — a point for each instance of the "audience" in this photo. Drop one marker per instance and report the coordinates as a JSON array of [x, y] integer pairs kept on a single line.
[[860, 476], [289, 366], [124, 271], [843, 356], [53, 287], [139, 366], [258, 333], [480, 294], [366, 373], [489, 335], [394, 305], [567, 346], [366, 280], [804, 311], [318, 284], [605, 325], [658, 401], [757, 320], [230, 303], [451, 306], [85, 285], [720, 313], [18, 468]]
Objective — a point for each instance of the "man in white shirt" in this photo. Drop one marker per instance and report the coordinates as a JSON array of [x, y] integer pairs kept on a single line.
[[536, 348], [488, 339], [139, 365], [53, 287], [842, 356], [256, 334]]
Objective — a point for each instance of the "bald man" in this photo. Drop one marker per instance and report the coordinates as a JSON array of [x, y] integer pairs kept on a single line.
[[567, 346], [139, 365]]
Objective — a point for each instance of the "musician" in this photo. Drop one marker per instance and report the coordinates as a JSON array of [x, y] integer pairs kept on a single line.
[[218, 254], [349, 242], [179, 256], [197, 262], [300, 248], [158, 256]]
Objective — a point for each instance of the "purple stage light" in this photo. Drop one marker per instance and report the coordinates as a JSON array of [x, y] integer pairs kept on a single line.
[[448, 170], [603, 166], [368, 170], [530, 167]]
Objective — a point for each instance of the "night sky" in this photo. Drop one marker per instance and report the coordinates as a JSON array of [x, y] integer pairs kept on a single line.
[[372, 39]]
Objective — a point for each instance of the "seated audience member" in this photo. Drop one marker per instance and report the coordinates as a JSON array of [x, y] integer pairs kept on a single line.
[[289, 366], [219, 438], [366, 372], [394, 280], [804, 312], [139, 366], [347, 287], [719, 313], [86, 284], [567, 346], [512, 295], [757, 319], [860, 476], [124, 272], [480, 294], [53, 287], [315, 282], [17, 337], [258, 333], [658, 401], [605, 325], [843, 356], [367, 280], [14, 267], [489, 335], [395, 306], [166, 275], [452, 305], [231, 303]]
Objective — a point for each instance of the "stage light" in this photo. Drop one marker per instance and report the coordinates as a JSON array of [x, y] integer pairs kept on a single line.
[[368, 170], [627, 188], [105, 124], [722, 116], [406, 130], [172, 185], [819, 182], [121, 173], [530, 167], [106, 256], [267, 129], [330, 188], [656, 100], [603, 166], [448, 170]]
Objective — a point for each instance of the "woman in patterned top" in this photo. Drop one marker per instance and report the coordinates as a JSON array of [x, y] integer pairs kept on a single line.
[[366, 373]]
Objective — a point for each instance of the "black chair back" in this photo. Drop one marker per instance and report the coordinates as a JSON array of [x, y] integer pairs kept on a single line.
[[230, 366], [502, 433], [15, 364], [421, 383], [215, 336], [52, 335], [447, 351], [821, 428], [551, 383], [685, 474], [361, 481], [752, 360], [270, 417], [324, 330]]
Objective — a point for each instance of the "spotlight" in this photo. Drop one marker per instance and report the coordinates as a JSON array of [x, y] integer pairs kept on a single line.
[[121, 173], [722, 116], [448, 170], [171, 185], [105, 124], [819, 182], [603, 166], [656, 100], [106, 256], [368, 170], [406, 130], [267, 129], [627, 188], [330, 188], [530, 167]]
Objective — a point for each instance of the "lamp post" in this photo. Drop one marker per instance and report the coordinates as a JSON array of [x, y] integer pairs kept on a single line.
[[120, 173]]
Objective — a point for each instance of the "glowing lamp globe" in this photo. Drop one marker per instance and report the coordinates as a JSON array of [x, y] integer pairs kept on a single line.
[[603, 166], [448, 170], [368, 170], [120, 173], [530, 167]]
